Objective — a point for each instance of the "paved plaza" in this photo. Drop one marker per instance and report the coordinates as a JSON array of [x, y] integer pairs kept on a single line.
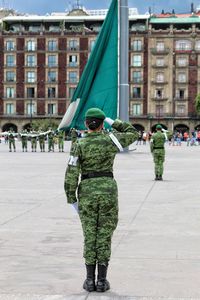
[[156, 247]]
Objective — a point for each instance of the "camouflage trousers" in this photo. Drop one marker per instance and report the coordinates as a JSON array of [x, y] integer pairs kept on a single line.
[[42, 145], [159, 158], [51, 145], [24, 145], [34, 145], [60, 145], [12, 144], [99, 217]]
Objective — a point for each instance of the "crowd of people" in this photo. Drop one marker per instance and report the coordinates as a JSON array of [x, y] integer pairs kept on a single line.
[[173, 139], [34, 138]]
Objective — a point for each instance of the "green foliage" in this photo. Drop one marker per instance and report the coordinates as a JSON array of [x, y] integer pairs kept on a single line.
[[197, 104], [45, 124]]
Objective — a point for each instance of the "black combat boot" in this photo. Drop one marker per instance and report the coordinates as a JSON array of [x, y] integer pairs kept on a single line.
[[157, 177], [89, 283], [102, 283]]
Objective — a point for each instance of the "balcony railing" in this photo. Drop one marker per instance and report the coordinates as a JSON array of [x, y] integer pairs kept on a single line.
[[156, 51], [159, 98], [181, 99], [159, 82], [160, 66], [135, 49]]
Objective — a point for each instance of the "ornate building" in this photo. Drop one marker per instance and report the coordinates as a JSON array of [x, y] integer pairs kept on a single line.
[[43, 57]]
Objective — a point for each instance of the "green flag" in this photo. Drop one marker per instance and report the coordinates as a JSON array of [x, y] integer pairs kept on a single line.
[[98, 85]]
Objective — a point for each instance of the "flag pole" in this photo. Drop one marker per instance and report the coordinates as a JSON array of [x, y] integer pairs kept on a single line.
[[123, 91]]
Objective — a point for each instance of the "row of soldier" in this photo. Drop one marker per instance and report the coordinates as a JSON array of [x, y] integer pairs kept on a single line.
[[34, 137]]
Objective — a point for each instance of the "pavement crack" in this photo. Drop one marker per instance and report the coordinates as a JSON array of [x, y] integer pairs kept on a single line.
[[18, 216]]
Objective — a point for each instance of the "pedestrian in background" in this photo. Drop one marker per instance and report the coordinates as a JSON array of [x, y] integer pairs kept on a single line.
[[93, 156]]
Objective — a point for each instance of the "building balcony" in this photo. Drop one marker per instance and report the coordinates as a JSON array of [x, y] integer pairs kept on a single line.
[[181, 99], [73, 49], [10, 49], [155, 51], [181, 82], [159, 82], [135, 49], [136, 81], [73, 81], [136, 98], [159, 99], [73, 65], [182, 66], [159, 66], [28, 49]]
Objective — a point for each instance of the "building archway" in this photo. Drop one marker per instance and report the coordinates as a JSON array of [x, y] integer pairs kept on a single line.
[[139, 127], [153, 128], [197, 127], [8, 126], [27, 127], [181, 128]]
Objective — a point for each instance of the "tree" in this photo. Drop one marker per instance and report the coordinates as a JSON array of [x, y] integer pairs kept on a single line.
[[45, 124], [197, 104]]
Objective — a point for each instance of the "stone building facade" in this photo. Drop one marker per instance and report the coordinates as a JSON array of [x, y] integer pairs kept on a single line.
[[43, 57]]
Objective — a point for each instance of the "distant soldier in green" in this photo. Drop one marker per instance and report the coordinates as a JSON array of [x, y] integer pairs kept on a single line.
[[24, 139], [92, 157], [157, 144], [11, 140], [61, 138], [41, 138], [34, 141], [51, 141]]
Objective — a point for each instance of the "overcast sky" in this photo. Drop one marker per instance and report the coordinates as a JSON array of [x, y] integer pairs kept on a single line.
[[48, 6]]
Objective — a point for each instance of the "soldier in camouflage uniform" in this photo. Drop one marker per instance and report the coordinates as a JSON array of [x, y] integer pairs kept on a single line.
[[34, 141], [41, 138], [11, 140], [24, 139], [157, 143], [61, 137], [93, 158], [51, 141]]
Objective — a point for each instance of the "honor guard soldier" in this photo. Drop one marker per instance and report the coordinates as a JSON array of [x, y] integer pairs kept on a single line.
[[11, 140], [41, 138], [157, 145], [34, 141], [50, 141], [92, 157], [61, 138], [24, 139]]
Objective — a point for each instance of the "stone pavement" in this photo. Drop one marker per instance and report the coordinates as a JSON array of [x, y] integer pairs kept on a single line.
[[156, 247]]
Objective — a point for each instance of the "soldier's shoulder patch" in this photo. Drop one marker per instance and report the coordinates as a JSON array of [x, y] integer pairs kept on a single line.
[[73, 160]]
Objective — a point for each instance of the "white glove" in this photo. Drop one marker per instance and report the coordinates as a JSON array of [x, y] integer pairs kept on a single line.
[[109, 121], [75, 206]]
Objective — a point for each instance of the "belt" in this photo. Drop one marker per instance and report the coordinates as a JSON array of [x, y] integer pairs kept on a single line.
[[158, 148], [96, 174]]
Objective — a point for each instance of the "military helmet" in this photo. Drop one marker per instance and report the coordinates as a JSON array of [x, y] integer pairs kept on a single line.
[[95, 113], [158, 126]]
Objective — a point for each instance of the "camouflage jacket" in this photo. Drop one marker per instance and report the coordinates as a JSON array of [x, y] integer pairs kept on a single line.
[[157, 141], [95, 153]]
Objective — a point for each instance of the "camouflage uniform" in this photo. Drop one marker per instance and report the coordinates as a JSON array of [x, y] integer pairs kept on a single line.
[[157, 148], [24, 139], [41, 139], [98, 197], [61, 137], [51, 141], [11, 140], [34, 142]]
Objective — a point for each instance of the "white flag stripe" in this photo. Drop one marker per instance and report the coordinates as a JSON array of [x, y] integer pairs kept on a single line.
[[69, 115]]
